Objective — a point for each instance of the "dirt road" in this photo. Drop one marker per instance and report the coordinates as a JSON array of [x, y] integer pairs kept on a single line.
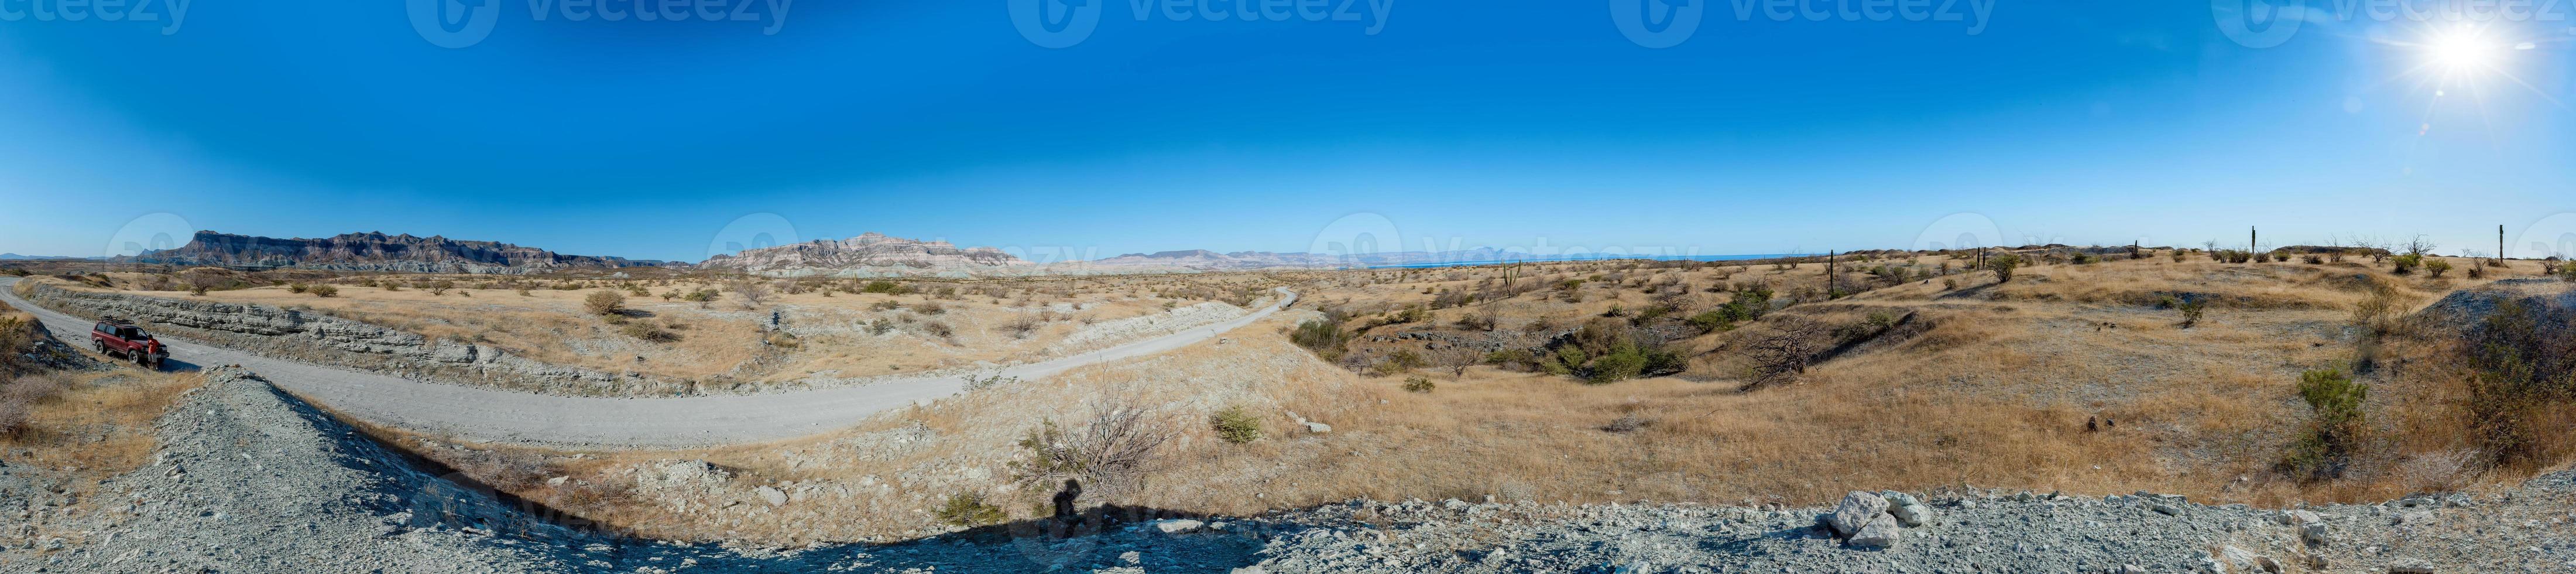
[[677, 422]]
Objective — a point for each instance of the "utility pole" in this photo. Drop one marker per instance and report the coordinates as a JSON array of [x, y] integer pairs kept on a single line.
[[2252, 237], [2499, 244]]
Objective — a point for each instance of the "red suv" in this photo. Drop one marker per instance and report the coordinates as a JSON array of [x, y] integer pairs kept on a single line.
[[121, 339]]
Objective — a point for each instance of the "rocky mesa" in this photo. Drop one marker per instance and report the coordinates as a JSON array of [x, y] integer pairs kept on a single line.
[[372, 251]]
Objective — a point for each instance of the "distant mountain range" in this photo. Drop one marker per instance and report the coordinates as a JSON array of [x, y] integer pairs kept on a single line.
[[1205, 260], [372, 251], [867, 255], [17, 257]]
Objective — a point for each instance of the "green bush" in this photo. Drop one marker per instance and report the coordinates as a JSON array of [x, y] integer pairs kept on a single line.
[[1235, 425], [1325, 338], [1418, 384], [2191, 309], [2003, 266], [2406, 263], [324, 291], [2335, 401], [970, 510], [297, 287], [885, 287], [604, 303]]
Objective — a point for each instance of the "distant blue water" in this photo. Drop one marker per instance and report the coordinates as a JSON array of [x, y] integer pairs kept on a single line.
[[1587, 257]]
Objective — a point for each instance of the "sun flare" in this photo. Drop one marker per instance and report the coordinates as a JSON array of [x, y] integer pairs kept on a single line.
[[2460, 50]]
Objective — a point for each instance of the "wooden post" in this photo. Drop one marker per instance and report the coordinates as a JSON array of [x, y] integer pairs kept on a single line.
[[1829, 274]]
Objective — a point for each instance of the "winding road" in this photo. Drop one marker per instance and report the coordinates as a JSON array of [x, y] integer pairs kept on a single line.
[[486, 415]]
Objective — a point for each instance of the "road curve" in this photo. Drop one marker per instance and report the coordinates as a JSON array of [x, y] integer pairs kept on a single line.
[[486, 415]]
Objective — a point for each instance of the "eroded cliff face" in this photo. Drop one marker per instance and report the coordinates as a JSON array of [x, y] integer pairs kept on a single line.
[[870, 254], [373, 252]]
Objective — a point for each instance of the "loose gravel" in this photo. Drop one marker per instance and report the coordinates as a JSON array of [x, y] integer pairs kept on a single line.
[[250, 479]]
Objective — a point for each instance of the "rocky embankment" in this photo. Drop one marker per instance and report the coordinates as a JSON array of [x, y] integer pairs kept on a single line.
[[317, 338], [247, 478]]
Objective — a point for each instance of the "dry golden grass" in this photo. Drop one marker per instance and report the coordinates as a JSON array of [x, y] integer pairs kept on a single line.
[[724, 340], [99, 422], [1995, 392]]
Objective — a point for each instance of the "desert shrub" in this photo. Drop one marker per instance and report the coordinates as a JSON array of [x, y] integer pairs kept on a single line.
[[2405, 263], [324, 291], [2191, 308], [2177, 255], [1398, 362], [2335, 402], [781, 339], [604, 303], [1418, 384], [1236, 425], [2566, 271], [2379, 310], [297, 287], [880, 326], [20, 395], [2437, 267], [1111, 453], [2314, 259], [2522, 363], [2003, 266], [938, 329], [647, 332], [887, 305], [750, 291], [969, 509], [930, 308], [1326, 339], [885, 287], [1783, 354], [2477, 271], [1516, 359], [1021, 326]]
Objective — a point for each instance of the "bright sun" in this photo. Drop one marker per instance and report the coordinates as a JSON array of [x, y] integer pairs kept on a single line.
[[2460, 50]]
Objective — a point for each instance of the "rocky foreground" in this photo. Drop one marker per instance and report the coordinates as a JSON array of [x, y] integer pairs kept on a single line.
[[249, 479]]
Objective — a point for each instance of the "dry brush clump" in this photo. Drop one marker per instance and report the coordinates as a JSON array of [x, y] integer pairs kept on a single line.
[[1109, 454]]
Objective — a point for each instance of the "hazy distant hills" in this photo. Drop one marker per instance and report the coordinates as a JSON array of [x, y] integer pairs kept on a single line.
[[870, 254], [867, 255], [17, 257], [372, 251], [1205, 260]]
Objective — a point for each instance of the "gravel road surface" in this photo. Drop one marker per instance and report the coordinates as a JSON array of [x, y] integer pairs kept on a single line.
[[487, 415]]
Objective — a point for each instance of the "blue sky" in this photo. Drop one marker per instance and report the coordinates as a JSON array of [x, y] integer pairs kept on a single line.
[[1507, 124]]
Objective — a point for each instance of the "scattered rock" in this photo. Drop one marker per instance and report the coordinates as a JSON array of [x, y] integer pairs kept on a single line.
[[1909, 511], [1855, 512], [774, 496], [1879, 533], [1176, 525]]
